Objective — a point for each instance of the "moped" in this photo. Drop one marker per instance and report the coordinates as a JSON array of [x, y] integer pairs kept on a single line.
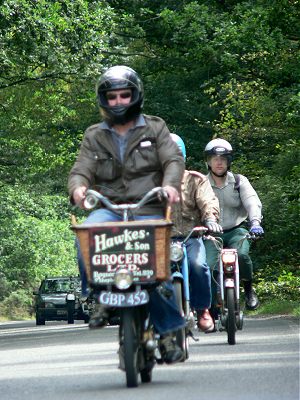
[[124, 261], [180, 279], [228, 313]]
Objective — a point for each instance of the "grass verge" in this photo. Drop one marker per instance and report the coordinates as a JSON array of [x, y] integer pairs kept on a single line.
[[277, 307]]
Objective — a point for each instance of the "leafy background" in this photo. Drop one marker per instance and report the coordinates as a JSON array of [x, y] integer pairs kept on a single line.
[[223, 68]]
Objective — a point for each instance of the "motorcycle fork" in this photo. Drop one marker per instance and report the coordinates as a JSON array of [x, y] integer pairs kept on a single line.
[[186, 293], [185, 274], [230, 280]]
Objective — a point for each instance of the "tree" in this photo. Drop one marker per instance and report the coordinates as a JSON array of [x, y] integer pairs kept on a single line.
[[225, 68]]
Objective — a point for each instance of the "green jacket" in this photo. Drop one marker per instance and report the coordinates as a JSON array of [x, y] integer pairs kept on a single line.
[[151, 159]]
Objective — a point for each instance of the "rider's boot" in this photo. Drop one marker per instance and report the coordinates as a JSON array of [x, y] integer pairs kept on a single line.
[[205, 322], [99, 317], [170, 351], [251, 299]]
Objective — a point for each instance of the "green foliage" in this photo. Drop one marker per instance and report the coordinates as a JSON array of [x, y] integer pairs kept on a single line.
[[52, 39], [275, 282], [36, 240], [17, 305], [220, 68]]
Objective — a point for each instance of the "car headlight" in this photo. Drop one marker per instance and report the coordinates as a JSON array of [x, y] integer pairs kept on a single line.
[[176, 252], [123, 279], [70, 297]]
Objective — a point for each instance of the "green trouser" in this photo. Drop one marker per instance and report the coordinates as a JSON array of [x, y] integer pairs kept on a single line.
[[231, 240]]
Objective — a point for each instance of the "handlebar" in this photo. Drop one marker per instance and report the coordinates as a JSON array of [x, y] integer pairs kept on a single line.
[[218, 242], [93, 197], [201, 230]]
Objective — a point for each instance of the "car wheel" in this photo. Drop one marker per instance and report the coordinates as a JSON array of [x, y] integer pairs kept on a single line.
[[71, 309], [40, 320]]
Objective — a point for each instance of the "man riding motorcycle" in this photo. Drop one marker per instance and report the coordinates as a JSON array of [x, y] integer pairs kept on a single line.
[[239, 203], [125, 156]]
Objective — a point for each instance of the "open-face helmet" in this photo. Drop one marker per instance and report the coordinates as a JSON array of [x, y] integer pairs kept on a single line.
[[180, 143], [117, 78], [218, 147]]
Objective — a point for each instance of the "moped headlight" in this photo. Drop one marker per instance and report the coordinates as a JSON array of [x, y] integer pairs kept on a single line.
[[228, 257], [123, 279], [176, 252]]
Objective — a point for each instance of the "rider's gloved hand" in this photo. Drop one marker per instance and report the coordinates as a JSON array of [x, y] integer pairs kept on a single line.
[[213, 226], [256, 229]]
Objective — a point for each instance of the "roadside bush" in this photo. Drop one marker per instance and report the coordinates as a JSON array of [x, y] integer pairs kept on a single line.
[[17, 306], [274, 282]]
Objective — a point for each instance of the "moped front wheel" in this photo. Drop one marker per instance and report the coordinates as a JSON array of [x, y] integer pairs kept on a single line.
[[131, 345], [230, 323], [181, 336]]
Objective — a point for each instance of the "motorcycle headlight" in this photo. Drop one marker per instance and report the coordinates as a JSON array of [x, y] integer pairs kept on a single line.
[[123, 279], [228, 257], [176, 252]]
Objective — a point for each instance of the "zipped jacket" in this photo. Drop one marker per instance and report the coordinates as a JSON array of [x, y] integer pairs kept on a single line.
[[236, 205], [151, 159], [198, 203]]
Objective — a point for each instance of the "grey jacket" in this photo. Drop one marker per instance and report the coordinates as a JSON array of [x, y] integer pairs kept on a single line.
[[236, 205], [151, 159]]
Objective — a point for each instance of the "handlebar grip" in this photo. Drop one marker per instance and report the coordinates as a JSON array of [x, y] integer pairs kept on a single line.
[[90, 202]]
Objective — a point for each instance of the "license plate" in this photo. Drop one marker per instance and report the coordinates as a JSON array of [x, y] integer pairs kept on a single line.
[[112, 299], [61, 312]]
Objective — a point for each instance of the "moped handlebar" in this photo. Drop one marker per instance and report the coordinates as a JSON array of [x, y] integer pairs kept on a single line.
[[93, 198], [218, 242], [200, 230]]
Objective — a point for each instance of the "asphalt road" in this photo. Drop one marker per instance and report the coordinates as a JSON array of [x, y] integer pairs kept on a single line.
[[64, 362]]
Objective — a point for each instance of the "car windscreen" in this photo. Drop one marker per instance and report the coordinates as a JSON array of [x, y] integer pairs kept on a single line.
[[57, 286]]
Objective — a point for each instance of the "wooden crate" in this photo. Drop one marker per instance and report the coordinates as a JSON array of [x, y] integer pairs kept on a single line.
[[160, 254]]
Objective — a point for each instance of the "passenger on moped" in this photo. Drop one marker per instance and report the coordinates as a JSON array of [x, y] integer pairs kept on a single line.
[[198, 206]]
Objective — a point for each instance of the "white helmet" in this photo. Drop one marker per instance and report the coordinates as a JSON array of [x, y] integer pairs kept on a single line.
[[218, 147]]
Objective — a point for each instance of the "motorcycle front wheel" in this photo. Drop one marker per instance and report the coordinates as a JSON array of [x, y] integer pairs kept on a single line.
[[131, 346], [230, 323]]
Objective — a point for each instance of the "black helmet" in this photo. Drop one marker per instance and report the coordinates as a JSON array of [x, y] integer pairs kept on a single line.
[[116, 78]]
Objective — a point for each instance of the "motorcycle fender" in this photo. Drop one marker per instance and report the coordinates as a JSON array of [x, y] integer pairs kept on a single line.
[[177, 275], [229, 283]]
